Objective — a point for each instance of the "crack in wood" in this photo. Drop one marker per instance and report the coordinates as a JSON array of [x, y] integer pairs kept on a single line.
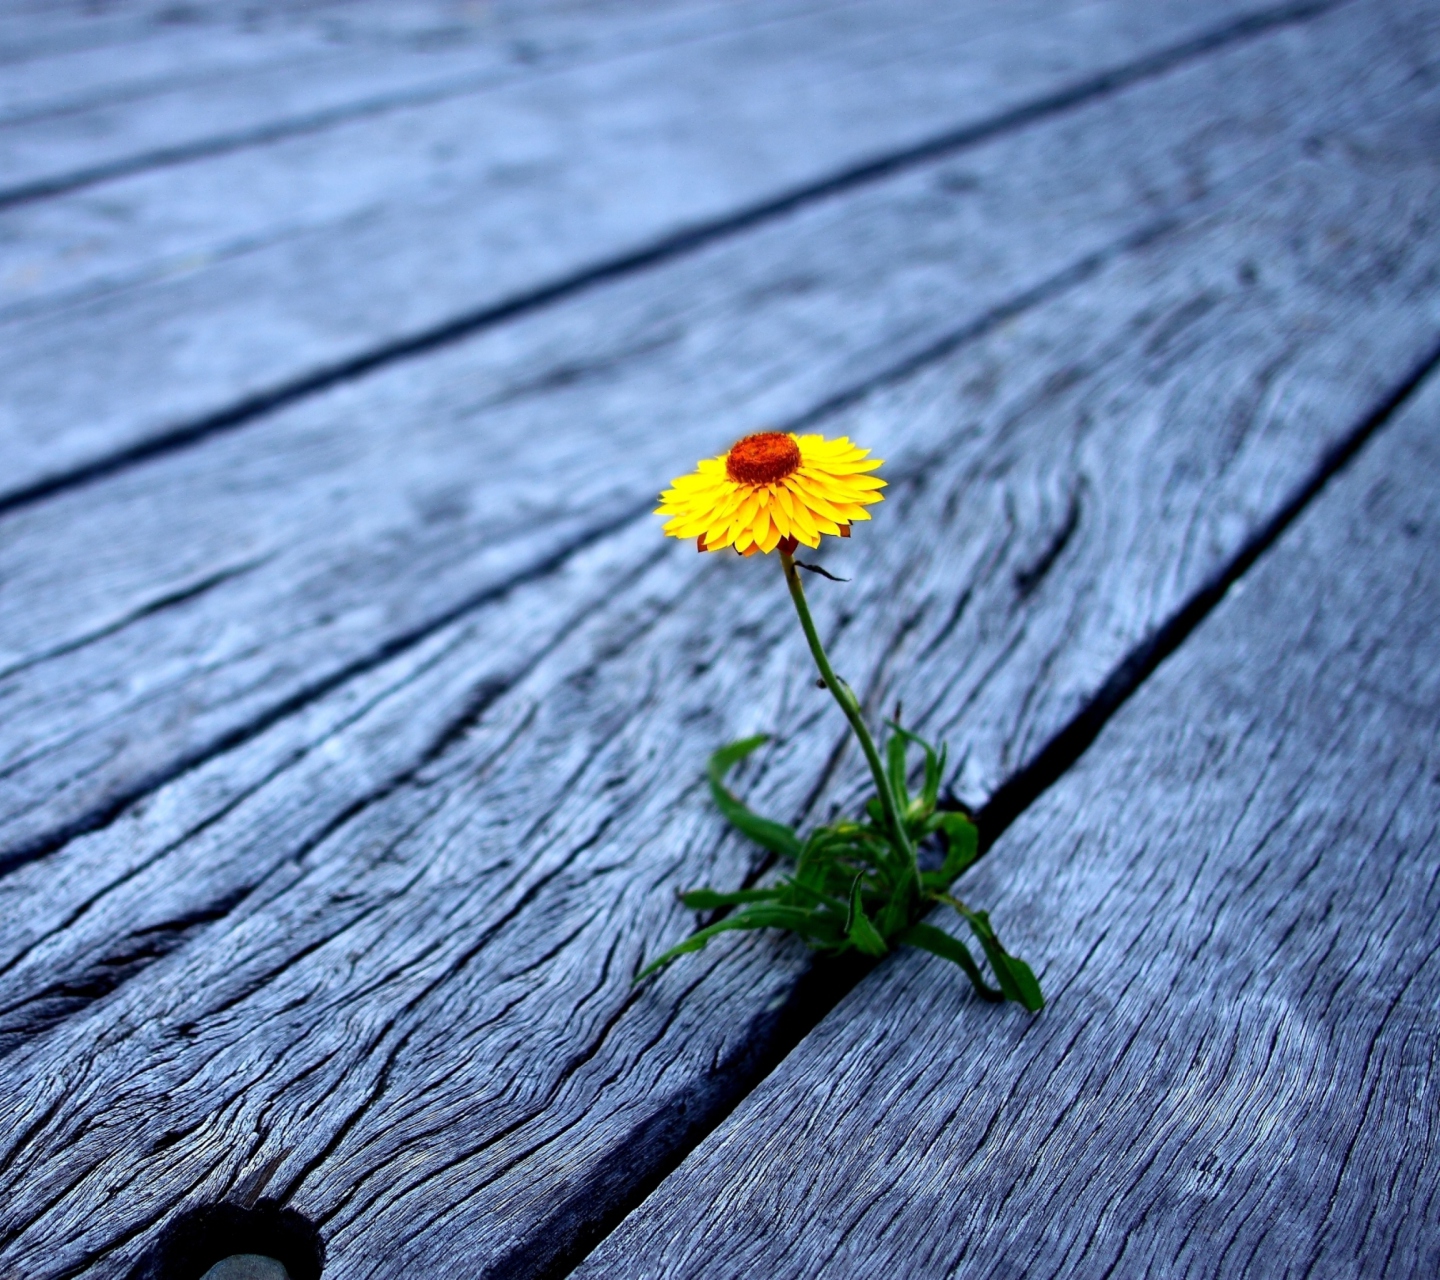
[[23, 854], [567, 901], [1016, 795], [670, 247], [824, 987]]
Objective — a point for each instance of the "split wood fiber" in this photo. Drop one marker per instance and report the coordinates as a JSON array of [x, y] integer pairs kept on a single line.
[[372, 958], [1232, 902], [180, 607], [184, 84], [157, 308]]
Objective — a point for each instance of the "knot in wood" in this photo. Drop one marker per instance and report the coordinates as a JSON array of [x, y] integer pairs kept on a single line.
[[763, 458]]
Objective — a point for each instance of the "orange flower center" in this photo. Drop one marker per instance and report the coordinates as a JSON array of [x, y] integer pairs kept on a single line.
[[763, 458]]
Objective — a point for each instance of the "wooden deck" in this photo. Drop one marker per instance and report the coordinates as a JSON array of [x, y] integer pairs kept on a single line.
[[353, 709]]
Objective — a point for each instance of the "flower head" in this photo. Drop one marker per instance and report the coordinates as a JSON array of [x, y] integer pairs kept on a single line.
[[773, 489]]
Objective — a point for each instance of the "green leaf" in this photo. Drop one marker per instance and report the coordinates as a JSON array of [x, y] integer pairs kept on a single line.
[[777, 916], [812, 874], [936, 941], [858, 927], [962, 844], [896, 912], [775, 836], [1024, 978], [934, 769], [815, 895], [895, 768], [795, 919], [1016, 979], [934, 774], [710, 900]]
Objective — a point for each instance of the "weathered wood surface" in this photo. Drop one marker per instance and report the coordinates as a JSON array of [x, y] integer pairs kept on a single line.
[[145, 309], [136, 87], [150, 619], [375, 957], [1232, 900]]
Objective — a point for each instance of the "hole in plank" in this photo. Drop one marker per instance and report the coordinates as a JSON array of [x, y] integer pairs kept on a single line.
[[246, 1266], [233, 1242]]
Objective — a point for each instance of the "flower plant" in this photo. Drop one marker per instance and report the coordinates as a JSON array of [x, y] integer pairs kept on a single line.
[[856, 884]]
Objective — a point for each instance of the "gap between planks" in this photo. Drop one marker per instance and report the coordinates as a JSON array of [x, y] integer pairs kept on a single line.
[[667, 248], [972, 268], [1031, 562], [432, 87], [1243, 876], [367, 1126]]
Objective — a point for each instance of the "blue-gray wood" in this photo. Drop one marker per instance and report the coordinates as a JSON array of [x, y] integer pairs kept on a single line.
[[111, 91], [180, 606], [247, 1266], [1232, 898], [351, 757], [163, 303]]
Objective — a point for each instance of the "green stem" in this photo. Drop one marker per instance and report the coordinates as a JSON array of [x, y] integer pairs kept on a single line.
[[850, 705]]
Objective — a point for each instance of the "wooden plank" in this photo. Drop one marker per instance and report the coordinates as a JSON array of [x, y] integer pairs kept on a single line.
[[85, 58], [149, 620], [39, 30], [412, 1019], [143, 310], [208, 82], [1232, 899], [64, 66]]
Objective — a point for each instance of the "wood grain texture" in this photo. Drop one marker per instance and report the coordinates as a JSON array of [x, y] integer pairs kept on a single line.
[[140, 309], [154, 618], [74, 69], [410, 1015], [131, 90], [35, 30], [1231, 899]]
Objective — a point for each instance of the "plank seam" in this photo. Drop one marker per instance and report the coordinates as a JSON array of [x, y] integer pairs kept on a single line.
[[1047, 290], [302, 697], [818, 991], [1015, 795], [668, 248], [456, 86], [170, 600], [1011, 799]]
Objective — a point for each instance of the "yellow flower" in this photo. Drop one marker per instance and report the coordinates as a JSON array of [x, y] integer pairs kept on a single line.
[[773, 489]]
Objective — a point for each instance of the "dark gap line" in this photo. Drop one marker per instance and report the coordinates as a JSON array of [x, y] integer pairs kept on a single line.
[[1019, 792], [1066, 278], [164, 82], [520, 65], [262, 135], [63, 44], [668, 248], [224, 144], [1047, 290], [170, 600], [676, 1132], [297, 126], [104, 815]]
